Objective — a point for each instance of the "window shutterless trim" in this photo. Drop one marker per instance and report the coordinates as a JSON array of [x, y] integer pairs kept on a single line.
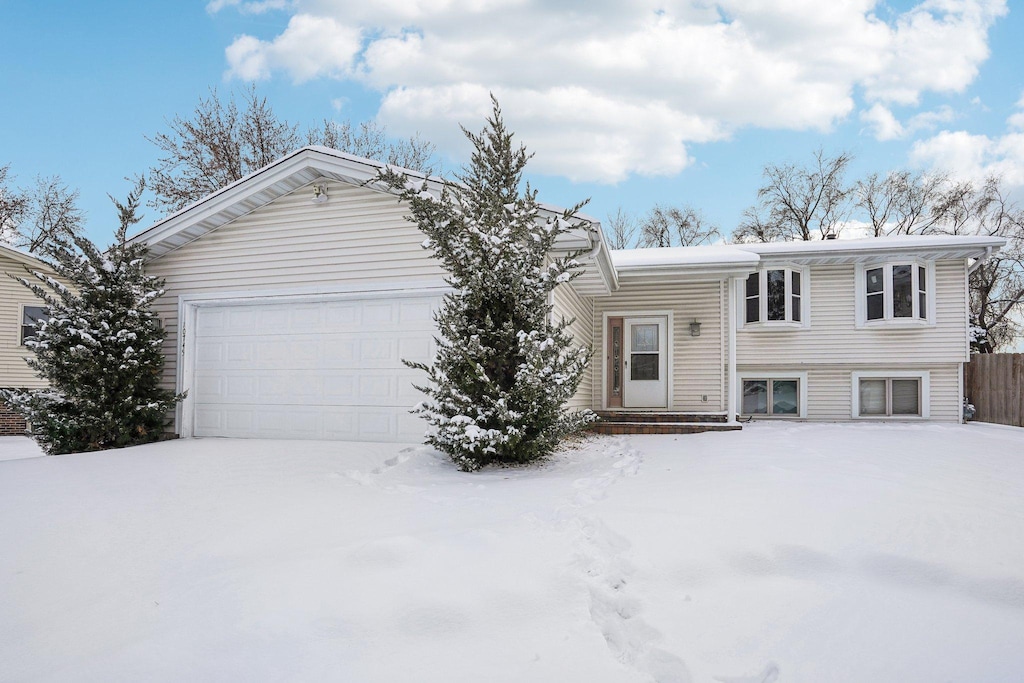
[[801, 300], [888, 319], [801, 391], [923, 376]]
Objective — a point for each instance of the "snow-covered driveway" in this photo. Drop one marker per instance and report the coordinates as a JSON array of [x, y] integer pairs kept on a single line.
[[782, 552]]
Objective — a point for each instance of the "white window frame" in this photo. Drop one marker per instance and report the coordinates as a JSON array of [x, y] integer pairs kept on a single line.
[[21, 321], [763, 322], [887, 319], [924, 376], [801, 390]]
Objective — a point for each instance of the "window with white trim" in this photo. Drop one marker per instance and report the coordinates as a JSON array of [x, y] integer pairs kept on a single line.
[[771, 397], [774, 296], [890, 394], [31, 318], [895, 292]]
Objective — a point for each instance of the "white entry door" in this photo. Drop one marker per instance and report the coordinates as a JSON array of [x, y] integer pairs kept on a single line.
[[646, 361]]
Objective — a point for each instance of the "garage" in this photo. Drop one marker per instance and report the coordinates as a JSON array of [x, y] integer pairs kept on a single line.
[[308, 368]]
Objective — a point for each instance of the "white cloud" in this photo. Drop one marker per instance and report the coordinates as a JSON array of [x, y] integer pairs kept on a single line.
[[882, 122], [884, 125], [605, 89], [975, 157], [246, 6], [308, 48]]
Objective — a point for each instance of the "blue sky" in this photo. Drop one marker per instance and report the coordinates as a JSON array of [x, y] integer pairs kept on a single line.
[[666, 102]]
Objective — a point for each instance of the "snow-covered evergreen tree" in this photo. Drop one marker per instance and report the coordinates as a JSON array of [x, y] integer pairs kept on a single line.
[[503, 370], [100, 350]]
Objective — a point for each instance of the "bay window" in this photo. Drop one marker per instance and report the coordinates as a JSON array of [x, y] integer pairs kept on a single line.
[[894, 292], [775, 295]]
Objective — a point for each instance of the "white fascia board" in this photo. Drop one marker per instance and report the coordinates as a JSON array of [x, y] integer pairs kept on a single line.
[[935, 246]]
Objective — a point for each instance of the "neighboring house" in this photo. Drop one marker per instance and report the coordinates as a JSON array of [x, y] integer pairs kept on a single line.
[[294, 294], [20, 312]]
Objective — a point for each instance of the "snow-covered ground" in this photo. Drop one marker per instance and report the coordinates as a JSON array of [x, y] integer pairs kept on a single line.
[[780, 553], [18, 447]]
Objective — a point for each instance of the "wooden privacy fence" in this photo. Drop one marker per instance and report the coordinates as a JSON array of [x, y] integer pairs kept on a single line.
[[994, 383]]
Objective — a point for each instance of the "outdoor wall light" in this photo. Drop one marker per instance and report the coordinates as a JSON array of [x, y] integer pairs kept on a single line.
[[319, 194], [695, 328]]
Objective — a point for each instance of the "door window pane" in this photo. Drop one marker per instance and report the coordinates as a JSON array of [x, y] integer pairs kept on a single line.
[[902, 292], [643, 366], [755, 397], [776, 295], [784, 397], [872, 397], [906, 397], [645, 338]]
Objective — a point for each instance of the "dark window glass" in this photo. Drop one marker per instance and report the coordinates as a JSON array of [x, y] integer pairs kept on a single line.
[[875, 294], [875, 280], [643, 366], [795, 291], [922, 296], [902, 292], [875, 306], [753, 301], [755, 397], [753, 284], [753, 310], [776, 295], [784, 397], [31, 317]]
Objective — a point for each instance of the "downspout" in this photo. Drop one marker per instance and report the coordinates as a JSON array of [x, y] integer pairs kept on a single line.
[[733, 405]]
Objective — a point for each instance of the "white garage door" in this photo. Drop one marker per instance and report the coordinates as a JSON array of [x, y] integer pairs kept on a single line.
[[325, 369]]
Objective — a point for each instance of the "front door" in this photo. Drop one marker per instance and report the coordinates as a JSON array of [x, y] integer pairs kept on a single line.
[[646, 363]]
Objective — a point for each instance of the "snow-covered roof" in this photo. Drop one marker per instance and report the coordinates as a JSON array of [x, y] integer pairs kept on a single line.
[[721, 259], [838, 251]]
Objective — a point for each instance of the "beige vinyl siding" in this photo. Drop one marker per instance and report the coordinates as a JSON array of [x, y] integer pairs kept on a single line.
[[568, 304], [14, 372], [830, 389], [698, 363], [833, 338], [358, 238]]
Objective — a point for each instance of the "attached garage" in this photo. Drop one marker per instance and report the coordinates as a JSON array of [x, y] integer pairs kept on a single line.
[[327, 367]]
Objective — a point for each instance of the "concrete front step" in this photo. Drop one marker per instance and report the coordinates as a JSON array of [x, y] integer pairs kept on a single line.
[[602, 427], [659, 417]]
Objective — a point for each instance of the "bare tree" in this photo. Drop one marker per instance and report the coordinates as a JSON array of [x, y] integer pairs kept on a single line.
[[221, 142], [675, 226], [800, 202], [13, 205], [215, 147], [997, 284], [622, 228], [371, 141], [32, 217]]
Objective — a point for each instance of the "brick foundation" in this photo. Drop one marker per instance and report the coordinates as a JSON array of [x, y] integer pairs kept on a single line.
[[11, 423]]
